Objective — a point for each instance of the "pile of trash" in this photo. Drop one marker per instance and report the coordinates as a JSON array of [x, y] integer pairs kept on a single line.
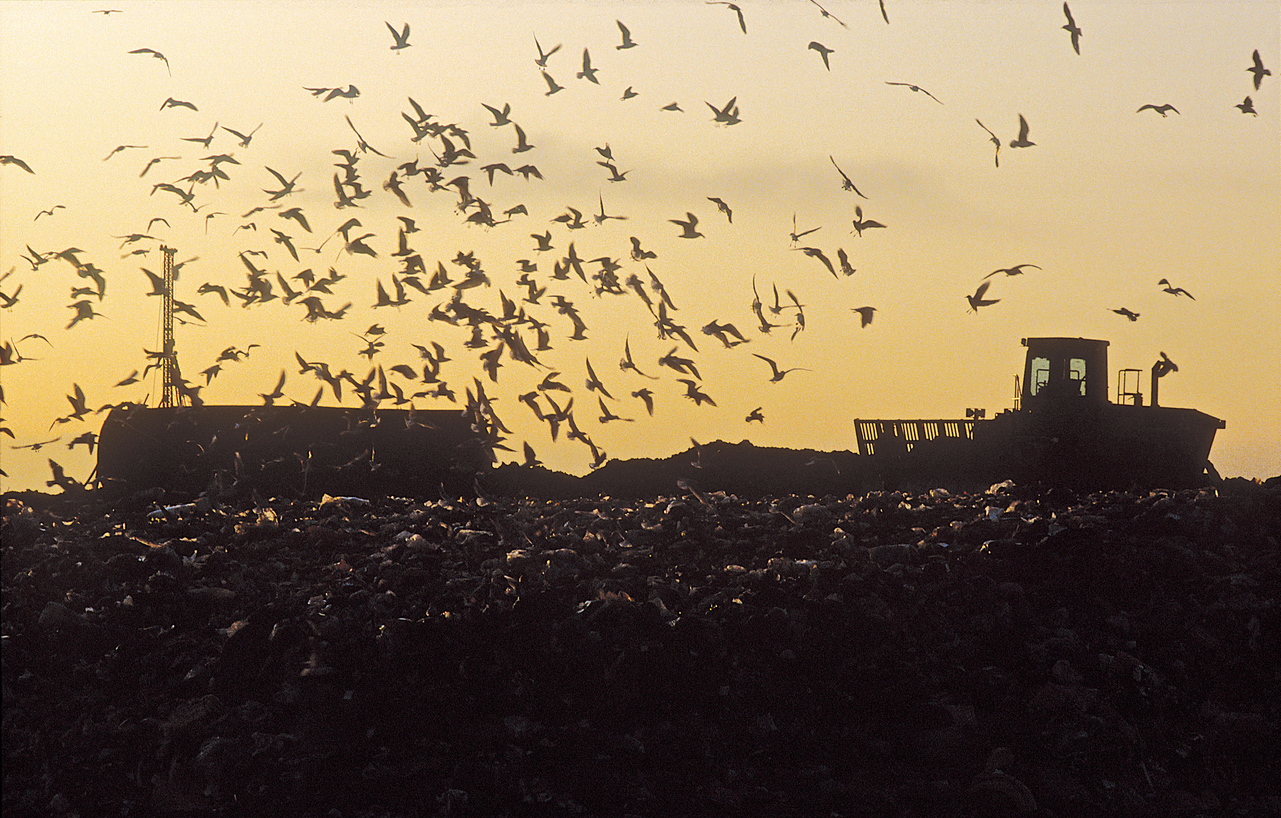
[[1008, 651]]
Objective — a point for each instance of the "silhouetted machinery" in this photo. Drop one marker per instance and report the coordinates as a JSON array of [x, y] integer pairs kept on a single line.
[[291, 451], [1063, 430]]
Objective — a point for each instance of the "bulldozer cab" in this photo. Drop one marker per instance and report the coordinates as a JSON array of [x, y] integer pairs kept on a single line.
[[1064, 371]]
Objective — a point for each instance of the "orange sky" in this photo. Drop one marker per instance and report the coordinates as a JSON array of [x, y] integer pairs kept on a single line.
[[1108, 201]]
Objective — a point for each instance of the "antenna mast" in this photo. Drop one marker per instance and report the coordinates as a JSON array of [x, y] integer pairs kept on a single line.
[[170, 394]]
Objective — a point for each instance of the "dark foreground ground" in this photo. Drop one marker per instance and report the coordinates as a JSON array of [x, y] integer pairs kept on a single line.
[[1000, 652]]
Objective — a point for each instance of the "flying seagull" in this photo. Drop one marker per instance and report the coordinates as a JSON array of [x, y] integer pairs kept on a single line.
[[778, 374], [1173, 290], [828, 14], [741, 22], [1071, 28], [155, 54], [1258, 70], [541, 62], [628, 42], [1160, 109], [823, 51], [177, 103], [846, 184], [688, 226], [401, 37], [861, 224], [552, 86], [993, 139], [588, 73], [13, 160], [864, 314], [1022, 141], [1012, 271], [244, 138], [722, 207], [977, 300], [916, 88]]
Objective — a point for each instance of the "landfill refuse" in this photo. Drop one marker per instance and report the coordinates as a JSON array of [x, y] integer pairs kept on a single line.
[[692, 652]]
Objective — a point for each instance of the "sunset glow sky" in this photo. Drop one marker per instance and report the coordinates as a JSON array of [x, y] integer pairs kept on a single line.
[[1108, 201]]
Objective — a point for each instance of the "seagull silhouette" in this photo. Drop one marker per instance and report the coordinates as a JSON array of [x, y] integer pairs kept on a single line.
[[270, 398], [741, 22], [647, 397], [552, 86], [13, 160], [1071, 28], [727, 115], [626, 362], [1022, 140], [117, 149], [994, 140], [244, 138], [401, 37], [1160, 109], [844, 260], [861, 224], [177, 103], [828, 14], [1247, 107], [864, 314], [977, 300], [688, 225], [588, 73], [1258, 70], [722, 207], [1133, 316], [1173, 290], [823, 51], [846, 183], [501, 116], [1012, 271], [155, 54], [816, 253], [778, 373], [695, 394], [541, 62], [916, 88], [796, 235], [628, 42], [84, 312]]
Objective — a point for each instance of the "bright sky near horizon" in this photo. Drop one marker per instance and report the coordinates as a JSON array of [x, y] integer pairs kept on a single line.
[[1109, 200]]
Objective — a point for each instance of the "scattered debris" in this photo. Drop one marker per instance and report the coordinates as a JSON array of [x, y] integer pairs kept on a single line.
[[938, 652]]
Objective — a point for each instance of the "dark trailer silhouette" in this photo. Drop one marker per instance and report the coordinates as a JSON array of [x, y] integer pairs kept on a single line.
[[291, 451]]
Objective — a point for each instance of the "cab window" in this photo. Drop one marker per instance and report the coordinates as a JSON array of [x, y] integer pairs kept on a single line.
[[1040, 374], [1076, 376]]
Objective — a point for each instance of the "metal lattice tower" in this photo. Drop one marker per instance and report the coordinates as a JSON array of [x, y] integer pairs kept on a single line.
[[170, 394]]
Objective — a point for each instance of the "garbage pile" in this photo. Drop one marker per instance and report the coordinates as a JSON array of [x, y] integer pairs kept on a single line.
[[1005, 651]]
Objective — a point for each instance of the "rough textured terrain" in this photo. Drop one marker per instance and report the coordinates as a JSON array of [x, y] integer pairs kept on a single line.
[[1000, 652]]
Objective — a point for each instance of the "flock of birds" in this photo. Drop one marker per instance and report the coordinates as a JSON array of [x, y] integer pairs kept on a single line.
[[520, 329]]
